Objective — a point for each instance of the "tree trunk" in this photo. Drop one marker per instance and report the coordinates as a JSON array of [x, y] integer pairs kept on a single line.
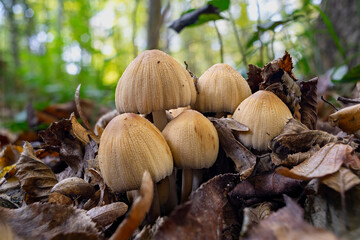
[[154, 24]]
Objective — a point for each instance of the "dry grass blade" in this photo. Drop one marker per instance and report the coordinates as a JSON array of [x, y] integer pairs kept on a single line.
[[35, 177], [78, 108], [138, 210]]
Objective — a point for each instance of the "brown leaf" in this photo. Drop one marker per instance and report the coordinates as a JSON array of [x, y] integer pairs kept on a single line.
[[254, 77], [230, 123], [104, 120], [295, 158], [326, 161], [244, 160], [46, 221], [59, 137], [342, 180], [253, 215], [107, 214], [74, 187], [296, 137], [348, 119], [202, 216], [59, 198], [81, 133], [308, 103], [9, 155], [138, 211], [257, 188], [288, 223], [35, 177]]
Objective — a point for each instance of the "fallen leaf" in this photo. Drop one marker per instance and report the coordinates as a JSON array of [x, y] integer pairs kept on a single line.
[[36, 179], [254, 77], [342, 180], [138, 210], [326, 161], [46, 221], [107, 214], [104, 120], [202, 216], [74, 187], [253, 215], [9, 155], [293, 159], [81, 133], [308, 103], [244, 160], [230, 123], [348, 119], [59, 198], [288, 223], [258, 188]]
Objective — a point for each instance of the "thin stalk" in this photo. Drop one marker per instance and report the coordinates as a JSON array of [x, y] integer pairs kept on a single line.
[[259, 35], [220, 42], [237, 37], [186, 187], [134, 28]]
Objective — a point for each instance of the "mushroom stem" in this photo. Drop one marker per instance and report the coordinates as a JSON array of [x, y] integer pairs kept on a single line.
[[172, 201], [154, 212], [197, 178], [186, 187], [159, 119]]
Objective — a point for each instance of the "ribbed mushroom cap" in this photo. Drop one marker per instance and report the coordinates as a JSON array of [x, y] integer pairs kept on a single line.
[[130, 145], [221, 89], [154, 81], [265, 115], [193, 140]]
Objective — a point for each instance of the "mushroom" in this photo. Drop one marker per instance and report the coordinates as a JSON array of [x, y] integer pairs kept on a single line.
[[194, 144], [265, 115], [152, 83], [130, 145], [221, 90], [347, 119]]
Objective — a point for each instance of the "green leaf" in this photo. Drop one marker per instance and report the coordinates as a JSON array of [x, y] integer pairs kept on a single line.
[[222, 5], [353, 75], [203, 18]]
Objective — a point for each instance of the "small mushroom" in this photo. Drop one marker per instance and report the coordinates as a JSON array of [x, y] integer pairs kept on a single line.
[[265, 115], [194, 143], [152, 83], [221, 90]]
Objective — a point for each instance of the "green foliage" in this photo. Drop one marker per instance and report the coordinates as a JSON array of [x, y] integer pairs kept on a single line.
[[352, 76]]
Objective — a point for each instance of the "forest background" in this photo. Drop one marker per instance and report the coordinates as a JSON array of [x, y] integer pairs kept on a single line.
[[49, 47]]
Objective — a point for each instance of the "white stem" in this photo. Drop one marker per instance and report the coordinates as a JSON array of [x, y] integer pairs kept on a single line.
[[154, 212], [197, 178], [186, 186], [159, 119], [172, 200]]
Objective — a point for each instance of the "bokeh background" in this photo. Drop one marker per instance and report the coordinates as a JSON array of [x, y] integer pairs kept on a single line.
[[48, 47]]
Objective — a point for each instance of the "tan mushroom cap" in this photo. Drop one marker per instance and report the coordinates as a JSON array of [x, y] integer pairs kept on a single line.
[[154, 81], [221, 89], [130, 145], [193, 140], [265, 115]]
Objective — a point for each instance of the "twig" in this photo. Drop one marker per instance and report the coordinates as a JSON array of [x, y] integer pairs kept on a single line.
[[220, 42], [322, 98], [348, 100], [138, 210], [78, 108]]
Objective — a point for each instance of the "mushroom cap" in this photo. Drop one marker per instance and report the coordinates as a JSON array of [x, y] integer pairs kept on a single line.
[[265, 115], [154, 81], [193, 140], [130, 145], [221, 89]]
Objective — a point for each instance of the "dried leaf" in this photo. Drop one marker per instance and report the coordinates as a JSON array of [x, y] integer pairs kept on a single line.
[[202, 216], [107, 214], [10, 155], [342, 180], [244, 160], [230, 123], [296, 137], [59, 198], [138, 210], [74, 187], [46, 221], [348, 119], [104, 120], [59, 137], [308, 103], [81, 133], [254, 77], [35, 177], [103, 188], [253, 215], [295, 158], [258, 188], [288, 223]]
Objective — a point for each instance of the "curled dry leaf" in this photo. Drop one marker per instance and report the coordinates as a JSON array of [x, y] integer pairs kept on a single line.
[[59, 137], [104, 120], [308, 103], [295, 158], [36, 179], [46, 221], [326, 161], [138, 210], [107, 214], [100, 180], [59, 198], [288, 223], [244, 160], [202, 216], [258, 188], [296, 137], [9, 155], [230, 123], [81, 133], [342, 180], [254, 77], [348, 119], [253, 215], [74, 187]]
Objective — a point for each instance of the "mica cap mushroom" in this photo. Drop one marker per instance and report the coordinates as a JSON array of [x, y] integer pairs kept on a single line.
[[265, 115], [152, 83], [221, 89], [130, 145]]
